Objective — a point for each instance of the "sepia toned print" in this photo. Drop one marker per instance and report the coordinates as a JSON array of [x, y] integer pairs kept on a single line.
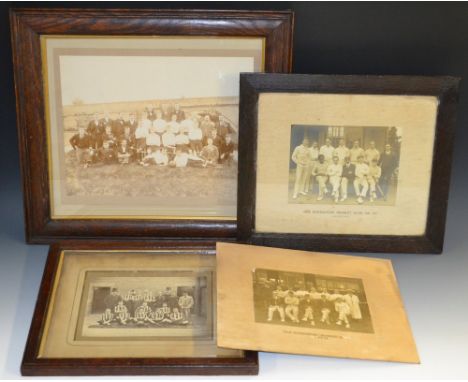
[[397, 129], [344, 164], [145, 127], [133, 303], [150, 304], [310, 303], [310, 300]]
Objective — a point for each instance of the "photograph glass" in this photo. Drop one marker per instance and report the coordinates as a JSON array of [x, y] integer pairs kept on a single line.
[[312, 303], [137, 304], [145, 127], [310, 300], [127, 305], [344, 164]]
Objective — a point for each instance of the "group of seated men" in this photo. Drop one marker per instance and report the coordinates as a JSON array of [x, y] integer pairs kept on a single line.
[[340, 307], [145, 308], [163, 137], [367, 170]]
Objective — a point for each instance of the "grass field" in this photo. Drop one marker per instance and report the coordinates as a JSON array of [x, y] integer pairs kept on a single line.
[[133, 180]]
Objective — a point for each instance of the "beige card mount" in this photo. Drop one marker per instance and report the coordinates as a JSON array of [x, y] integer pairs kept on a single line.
[[311, 303]]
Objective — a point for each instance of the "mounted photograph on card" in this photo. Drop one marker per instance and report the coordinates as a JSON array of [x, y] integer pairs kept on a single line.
[[358, 163], [121, 308], [133, 133], [311, 303], [129, 119]]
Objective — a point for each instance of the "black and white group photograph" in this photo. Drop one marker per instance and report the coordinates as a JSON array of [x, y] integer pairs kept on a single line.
[[135, 301], [311, 300], [132, 133], [344, 165], [150, 146]]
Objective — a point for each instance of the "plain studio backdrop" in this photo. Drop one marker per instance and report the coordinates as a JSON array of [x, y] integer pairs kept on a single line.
[[329, 38]]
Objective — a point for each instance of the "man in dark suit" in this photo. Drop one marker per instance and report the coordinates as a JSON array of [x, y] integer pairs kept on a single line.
[[112, 300], [107, 121], [95, 130], [347, 177], [119, 125], [180, 114], [388, 164], [227, 149], [132, 123], [81, 142]]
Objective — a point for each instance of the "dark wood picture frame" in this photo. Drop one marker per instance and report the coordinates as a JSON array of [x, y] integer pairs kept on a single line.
[[444, 88], [32, 365], [27, 26]]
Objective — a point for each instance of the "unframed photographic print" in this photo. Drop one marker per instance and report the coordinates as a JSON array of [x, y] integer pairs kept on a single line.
[[310, 300], [310, 303]]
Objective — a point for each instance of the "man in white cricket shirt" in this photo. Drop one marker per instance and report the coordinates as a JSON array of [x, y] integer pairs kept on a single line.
[[341, 151], [301, 157], [361, 185], [327, 151]]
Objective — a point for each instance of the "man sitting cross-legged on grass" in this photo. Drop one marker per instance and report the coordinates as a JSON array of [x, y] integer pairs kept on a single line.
[[124, 152], [210, 154], [80, 143]]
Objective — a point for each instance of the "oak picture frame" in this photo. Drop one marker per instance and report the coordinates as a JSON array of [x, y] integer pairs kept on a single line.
[[446, 91], [34, 365], [27, 27]]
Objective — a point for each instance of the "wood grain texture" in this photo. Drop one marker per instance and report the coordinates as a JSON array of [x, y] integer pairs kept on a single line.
[[28, 24], [444, 88], [34, 366]]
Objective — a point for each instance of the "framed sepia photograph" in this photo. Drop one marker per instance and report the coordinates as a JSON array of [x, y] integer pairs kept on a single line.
[[129, 119], [345, 163], [311, 303], [121, 309]]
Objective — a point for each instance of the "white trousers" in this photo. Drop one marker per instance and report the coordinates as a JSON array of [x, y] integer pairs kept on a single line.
[[292, 312], [301, 174], [358, 183], [275, 308]]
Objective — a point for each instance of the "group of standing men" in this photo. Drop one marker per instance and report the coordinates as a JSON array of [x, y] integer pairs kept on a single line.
[[146, 308], [165, 136], [367, 170]]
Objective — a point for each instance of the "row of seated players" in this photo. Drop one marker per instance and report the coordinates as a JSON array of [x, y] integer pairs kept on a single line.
[[175, 310], [311, 306], [178, 151]]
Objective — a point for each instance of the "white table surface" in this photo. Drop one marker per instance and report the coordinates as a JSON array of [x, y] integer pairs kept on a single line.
[[434, 290]]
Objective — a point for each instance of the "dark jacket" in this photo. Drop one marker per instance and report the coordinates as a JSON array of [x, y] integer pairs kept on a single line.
[[80, 142], [276, 300], [349, 171], [388, 163]]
